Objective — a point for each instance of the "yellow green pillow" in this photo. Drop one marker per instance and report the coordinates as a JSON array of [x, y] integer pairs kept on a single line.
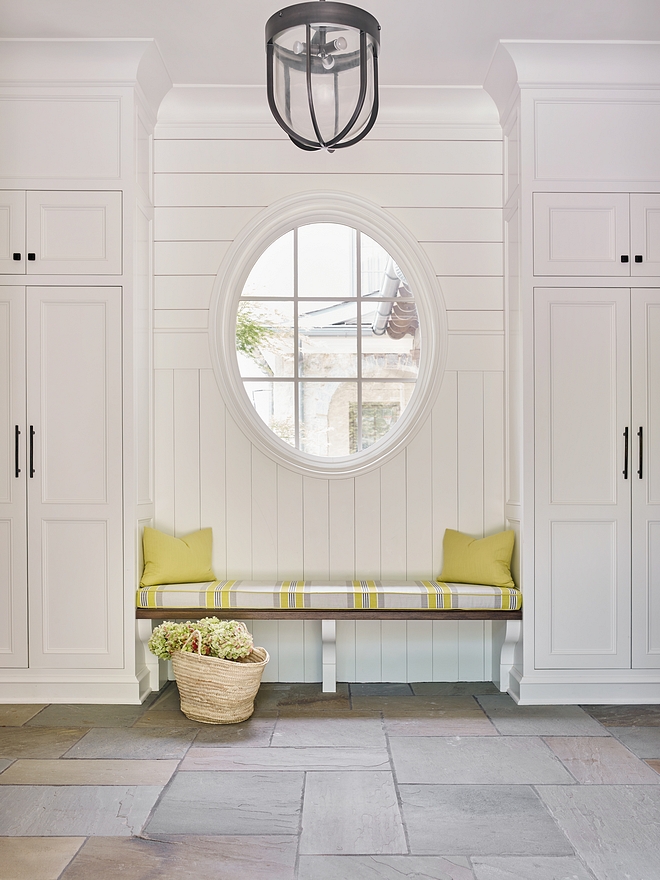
[[169, 560], [469, 560]]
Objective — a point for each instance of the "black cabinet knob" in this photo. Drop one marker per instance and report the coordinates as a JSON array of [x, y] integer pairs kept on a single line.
[[16, 256], [638, 258], [624, 258], [32, 257]]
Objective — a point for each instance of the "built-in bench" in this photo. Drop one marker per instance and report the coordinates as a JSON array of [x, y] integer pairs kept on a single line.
[[330, 601]]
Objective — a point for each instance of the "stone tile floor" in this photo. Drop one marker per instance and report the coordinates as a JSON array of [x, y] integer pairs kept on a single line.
[[432, 781]]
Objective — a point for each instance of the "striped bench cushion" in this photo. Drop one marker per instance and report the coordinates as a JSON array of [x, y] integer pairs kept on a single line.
[[330, 594]]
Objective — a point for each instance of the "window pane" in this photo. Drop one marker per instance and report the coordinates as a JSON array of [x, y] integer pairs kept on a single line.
[[328, 339], [272, 274], [383, 404], [326, 260], [273, 402], [374, 260], [264, 338], [324, 417], [391, 339]]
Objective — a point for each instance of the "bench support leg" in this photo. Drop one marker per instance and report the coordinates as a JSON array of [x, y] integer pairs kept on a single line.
[[157, 669], [512, 637], [329, 641]]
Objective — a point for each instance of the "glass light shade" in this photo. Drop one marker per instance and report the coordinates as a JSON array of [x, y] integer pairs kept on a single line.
[[322, 73]]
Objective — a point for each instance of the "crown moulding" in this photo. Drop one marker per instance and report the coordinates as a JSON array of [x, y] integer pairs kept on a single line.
[[247, 106], [85, 63], [520, 64]]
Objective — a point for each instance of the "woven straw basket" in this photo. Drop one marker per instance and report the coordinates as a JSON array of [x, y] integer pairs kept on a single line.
[[218, 691]]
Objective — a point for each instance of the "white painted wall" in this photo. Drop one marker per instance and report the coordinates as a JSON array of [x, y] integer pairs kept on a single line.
[[445, 186]]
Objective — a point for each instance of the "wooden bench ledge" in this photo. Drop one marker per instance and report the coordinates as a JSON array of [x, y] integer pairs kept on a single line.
[[329, 614]]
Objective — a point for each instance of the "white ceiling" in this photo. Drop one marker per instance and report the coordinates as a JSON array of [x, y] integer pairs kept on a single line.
[[423, 42]]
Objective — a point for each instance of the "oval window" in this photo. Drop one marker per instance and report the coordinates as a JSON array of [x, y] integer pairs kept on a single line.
[[328, 340]]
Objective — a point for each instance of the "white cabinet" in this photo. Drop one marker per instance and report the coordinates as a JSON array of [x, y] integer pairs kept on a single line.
[[62, 478], [597, 234], [60, 232], [597, 487]]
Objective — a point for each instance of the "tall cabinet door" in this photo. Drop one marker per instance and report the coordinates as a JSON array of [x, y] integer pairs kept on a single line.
[[13, 565], [582, 510], [646, 477], [74, 412]]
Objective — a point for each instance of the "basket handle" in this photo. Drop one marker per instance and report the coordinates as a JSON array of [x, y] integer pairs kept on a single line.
[[199, 641]]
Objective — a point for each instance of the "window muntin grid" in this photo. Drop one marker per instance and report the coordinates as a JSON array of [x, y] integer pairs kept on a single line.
[[319, 384]]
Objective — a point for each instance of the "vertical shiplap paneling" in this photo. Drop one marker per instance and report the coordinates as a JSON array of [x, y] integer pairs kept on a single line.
[[393, 518], [186, 451], [346, 642], [493, 452], [419, 655], [238, 476], [368, 645], [290, 549], [494, 480], [419, 505], [393, 652], [212, 467], [316, 528], [367, 525], [471, 650], [471, 633], [471, 453], [164, 449], [264, 516], [444, 428], [445, 650], [291, 650], [341, 529]]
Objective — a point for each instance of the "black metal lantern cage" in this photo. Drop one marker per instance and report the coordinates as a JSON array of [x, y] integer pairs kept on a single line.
[[320, 20]]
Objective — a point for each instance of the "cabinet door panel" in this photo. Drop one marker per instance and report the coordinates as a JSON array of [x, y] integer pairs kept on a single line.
[[74, 233], [582, 386], [581, 234], [13, 563], [646, 488], [74, 497], [645, 233], [12, 232]]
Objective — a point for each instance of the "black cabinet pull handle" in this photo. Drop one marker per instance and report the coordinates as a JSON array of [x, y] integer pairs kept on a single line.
[[641, 452], [624, 258], [31, 451], [16, 256], [638, 258], [625, 454], [16, 450], [32, 257]]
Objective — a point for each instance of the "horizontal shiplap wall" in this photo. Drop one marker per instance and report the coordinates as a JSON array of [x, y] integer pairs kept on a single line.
[[271, 522]]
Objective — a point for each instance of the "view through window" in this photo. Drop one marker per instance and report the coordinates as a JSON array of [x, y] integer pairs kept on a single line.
[[328, 339]]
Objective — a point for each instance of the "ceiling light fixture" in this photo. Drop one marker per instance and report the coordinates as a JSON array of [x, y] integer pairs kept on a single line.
[[322, 73]]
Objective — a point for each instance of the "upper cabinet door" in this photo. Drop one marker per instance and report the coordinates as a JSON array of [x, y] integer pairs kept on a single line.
[[74, 233], [645, 233], [581, 234], [12, 232]]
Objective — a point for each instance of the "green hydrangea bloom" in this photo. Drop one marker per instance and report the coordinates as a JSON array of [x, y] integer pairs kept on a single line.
[[227, 639]]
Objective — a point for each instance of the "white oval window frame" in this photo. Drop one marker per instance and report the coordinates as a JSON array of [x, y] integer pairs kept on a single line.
[[273, 222]]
